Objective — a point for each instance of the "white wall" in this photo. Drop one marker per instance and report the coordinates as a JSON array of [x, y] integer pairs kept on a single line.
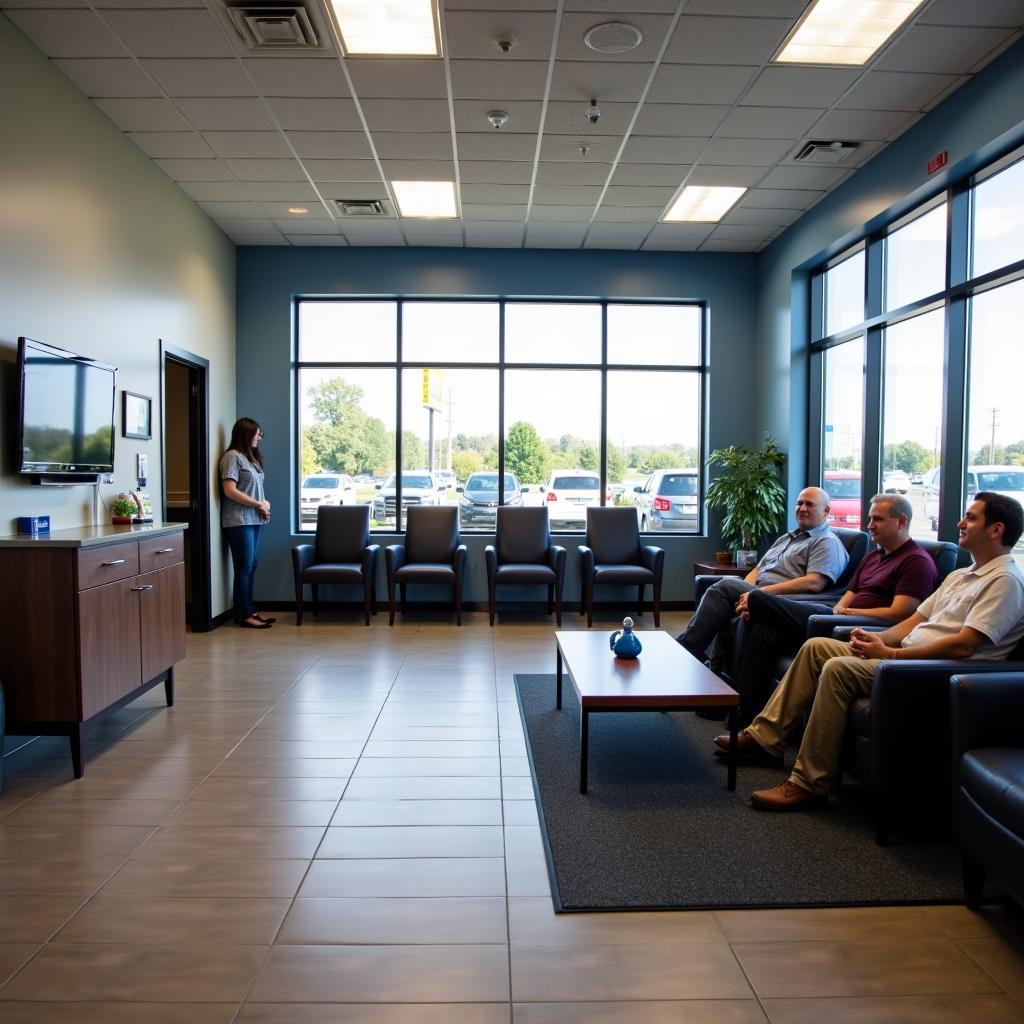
[[102, 254]]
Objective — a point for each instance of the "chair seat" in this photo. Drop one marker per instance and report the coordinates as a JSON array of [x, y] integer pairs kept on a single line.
[[624, 574], [516, 572], [425, 572], [333, 572], [994, 777], [860, 716]]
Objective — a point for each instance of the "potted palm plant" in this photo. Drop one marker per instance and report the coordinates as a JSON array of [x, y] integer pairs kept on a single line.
[[749, 492]]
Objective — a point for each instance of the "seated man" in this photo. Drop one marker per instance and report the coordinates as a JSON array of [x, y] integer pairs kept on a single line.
[[978, 612], [888, 585], [805, 560]]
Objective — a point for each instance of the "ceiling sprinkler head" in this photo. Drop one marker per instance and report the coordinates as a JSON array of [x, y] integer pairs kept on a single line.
[[584, 150], [498, 118], [593, 114], [504, 43]]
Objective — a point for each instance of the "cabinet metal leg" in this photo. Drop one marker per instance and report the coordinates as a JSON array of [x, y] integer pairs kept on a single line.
[[584, 739], [731, 785], [75, 740], [558, 678], [169, 687]]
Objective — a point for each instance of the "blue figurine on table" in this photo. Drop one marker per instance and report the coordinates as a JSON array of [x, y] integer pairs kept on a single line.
[[624, 642]]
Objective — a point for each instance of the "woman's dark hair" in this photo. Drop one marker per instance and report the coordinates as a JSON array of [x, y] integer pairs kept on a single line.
[[1001, 509], [243, 433]]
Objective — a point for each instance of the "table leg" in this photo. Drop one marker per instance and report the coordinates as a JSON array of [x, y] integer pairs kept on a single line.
[[558, 677], [732, 749], [584, 738]]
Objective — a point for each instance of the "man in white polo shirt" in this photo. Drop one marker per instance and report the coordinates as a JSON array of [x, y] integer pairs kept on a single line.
[[978, 612]]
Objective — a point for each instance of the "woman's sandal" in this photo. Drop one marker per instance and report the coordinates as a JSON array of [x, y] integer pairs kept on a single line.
[[269, 621], [249, 624]]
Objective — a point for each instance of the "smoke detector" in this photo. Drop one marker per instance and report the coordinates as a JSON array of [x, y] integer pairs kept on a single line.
[[498, 118], [362, 207], [815, 152], [613, 37]]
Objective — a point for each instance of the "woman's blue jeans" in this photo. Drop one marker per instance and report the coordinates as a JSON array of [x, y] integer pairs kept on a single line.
[[244, 543]]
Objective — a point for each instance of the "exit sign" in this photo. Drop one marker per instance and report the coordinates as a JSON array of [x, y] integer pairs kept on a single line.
[[937, 162]]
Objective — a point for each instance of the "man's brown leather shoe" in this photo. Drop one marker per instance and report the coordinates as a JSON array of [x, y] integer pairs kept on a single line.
[[748, 750], [787, 796]]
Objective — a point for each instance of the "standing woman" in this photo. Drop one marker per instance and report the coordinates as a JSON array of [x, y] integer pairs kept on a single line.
[[243, 513]]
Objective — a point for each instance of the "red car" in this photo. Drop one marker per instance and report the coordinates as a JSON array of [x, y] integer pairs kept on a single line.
[[843, 486]]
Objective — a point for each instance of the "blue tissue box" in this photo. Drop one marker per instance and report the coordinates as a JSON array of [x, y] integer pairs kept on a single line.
[[33, 524]]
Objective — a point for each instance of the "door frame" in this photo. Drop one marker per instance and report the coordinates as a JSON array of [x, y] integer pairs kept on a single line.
[[197, 536]]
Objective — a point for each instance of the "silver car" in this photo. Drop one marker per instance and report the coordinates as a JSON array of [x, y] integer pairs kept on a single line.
[[669, 501]]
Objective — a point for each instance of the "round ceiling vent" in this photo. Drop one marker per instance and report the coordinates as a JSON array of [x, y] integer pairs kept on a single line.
[[613, 37]]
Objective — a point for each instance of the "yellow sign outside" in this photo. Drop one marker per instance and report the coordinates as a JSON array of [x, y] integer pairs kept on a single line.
[[433, 389]]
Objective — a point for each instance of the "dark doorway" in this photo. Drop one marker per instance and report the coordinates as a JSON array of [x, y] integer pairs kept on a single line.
[[185, 461]]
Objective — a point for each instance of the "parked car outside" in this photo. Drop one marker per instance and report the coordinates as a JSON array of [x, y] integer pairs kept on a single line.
[[568, 493], [419, 487], [325, 489], [668, 501], [1008, 480], [844, 487], [478, 506], [895, 481], [446, 479]]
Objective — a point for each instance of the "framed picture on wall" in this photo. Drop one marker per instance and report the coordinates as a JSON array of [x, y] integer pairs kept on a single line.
[[136, 415]]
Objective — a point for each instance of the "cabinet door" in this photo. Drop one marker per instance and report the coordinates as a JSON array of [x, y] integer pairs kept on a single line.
[[162, 618], [109, 649]]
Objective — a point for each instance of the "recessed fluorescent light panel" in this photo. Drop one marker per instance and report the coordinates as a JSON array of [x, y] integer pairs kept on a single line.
[[703, 203], [844, 32], [434, 199], [395, 27]]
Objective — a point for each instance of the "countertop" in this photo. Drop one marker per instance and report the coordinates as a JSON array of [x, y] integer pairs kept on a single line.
[[90, 536]]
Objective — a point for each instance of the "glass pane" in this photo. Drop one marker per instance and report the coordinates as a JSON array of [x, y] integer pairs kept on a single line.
[[666, 335], [553, 430], [844, 428], [347, 433], [999, 220], [995, 445], [450, 332], [912, 425], [348, 332], [915, 259], [458, 411], [844, 294], [552, 332], [653, 436]]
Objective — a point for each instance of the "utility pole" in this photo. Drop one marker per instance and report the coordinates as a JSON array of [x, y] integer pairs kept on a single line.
[[992, 443], [450, 404]]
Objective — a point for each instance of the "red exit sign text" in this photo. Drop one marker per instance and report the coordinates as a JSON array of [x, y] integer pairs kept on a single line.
[[937, 162]]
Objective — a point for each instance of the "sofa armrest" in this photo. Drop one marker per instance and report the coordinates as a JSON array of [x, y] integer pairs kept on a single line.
[[394, 558], [491, 561], [843, 632], [370, 553], [556, 559], [586, 563], [302, 558], [701, 585], [653, 558], [825, 625], [460, 561], [986, 709]]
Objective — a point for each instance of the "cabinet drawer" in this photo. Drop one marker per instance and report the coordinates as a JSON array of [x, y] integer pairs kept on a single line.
[[97, 566], [156, 552]]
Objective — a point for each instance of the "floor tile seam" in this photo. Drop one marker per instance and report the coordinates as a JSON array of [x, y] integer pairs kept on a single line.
[[746, 977], [981, 967]]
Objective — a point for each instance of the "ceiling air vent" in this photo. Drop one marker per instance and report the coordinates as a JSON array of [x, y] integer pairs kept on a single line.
[[825, 152], [279, 27], [362, 207]]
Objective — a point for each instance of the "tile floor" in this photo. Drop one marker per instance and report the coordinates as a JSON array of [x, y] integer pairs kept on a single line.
[[335, 825]]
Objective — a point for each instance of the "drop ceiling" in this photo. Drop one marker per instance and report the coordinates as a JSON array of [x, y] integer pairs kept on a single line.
[[250, 137]]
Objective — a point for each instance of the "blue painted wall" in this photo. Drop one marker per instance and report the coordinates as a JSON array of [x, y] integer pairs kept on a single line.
[[976, 124], [268, 279]]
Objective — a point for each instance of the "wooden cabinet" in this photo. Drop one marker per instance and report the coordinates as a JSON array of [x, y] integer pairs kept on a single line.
[[92, 625]]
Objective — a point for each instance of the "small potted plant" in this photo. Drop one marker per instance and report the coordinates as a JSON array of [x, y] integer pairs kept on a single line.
[[124, 510], [749, 492]]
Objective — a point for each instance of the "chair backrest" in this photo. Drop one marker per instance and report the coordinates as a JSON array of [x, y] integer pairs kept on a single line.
[[342, 531], [856, 544], [614, 535], [943, 553], [523, 536], [431, 534]]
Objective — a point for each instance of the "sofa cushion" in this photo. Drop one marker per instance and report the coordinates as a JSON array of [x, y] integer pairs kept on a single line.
[[860, 716], [994, 777], [333, 572], [622, 574], [513, 572]]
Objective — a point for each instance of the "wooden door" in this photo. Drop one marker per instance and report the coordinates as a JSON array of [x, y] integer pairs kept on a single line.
[[109, 649], [162, 619]]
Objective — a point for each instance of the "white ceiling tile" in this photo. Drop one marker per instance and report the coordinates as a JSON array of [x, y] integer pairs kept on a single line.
[[496, 172], [494, 229], [13, 5], [434, 241], [372, 232], [715, 174], [142, 115], [618, 7], [256, 238], [957, 81], [668, 245], [790, 177], [492, 212], [570, 234], [163, 33], [565, 118], [781, 198], [769, 122], [331, 145], [108, 77], [609, 82], [67, 33], [650, 174], [278, 212], [342, 170], [408, 115], [624, 229], [858, 124], [675, 119], [248, 144], [748, 8], [628, 243], [229, 209], [911, 120], [312, 114], [172, 144], [396, 77], [642, 149], [215, 191], [699, 83], [895, 90], [430, 228], [703, 40], [317, 240], [291, 192], [778, 86], [246, 225], [638, 195], [195, 170], [223, 113], [571, 45], [353, 189], [495, 146], [578, 149], [213, 77], [473, 34], [1010, 39], [743, 214], [869, 150], [419, 146], [747, 152], [566, 195], [550, 243], [569, 173], [419, 170], [1007, 13], [504, 195], [727, 245], [471, 116], [113, 4], [295, 226], [629, 214], [267, 170], [498, 76], [307, 76], [560, 213], [671, 235], [493, 243], [953, 50]]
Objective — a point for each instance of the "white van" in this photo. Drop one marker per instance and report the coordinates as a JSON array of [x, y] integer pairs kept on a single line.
[[1008, 480]]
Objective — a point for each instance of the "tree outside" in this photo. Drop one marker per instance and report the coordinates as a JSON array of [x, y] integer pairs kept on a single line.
[[525, 454]]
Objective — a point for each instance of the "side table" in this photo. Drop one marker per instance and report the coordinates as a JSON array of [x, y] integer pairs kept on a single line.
[[716, 569]]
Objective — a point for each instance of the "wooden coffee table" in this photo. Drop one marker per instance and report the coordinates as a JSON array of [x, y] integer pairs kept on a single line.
[[666, 677]]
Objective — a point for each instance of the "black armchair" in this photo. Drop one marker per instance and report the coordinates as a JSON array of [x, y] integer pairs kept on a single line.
[[613, 556], [524, 556], [342, 553], [988, 762], [431, 554]]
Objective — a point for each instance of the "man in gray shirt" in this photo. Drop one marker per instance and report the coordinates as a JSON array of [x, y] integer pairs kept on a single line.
[[803, 561]]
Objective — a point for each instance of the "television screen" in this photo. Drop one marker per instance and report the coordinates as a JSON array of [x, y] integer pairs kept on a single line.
[[67, 411]]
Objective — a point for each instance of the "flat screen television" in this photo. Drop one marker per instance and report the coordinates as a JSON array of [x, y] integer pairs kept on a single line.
[[65, 412]]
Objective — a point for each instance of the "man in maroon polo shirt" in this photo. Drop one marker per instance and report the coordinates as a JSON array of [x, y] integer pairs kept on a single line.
[[889, 584]]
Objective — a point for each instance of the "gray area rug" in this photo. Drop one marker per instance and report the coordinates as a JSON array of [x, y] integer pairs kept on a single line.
[[659, 830]]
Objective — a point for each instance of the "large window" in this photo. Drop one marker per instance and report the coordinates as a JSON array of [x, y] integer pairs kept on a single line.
[[915, 259], [476, 404], [844, 421]]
